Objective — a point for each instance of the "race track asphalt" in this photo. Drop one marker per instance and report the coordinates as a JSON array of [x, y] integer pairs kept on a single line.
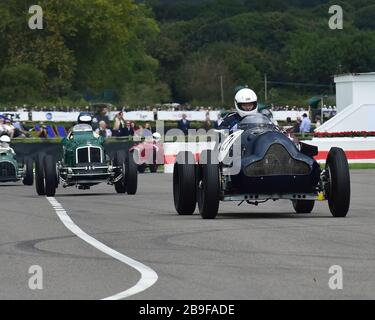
[[249, 252]]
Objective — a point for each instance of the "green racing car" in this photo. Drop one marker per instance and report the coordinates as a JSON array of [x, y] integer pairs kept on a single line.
[[85, 164]]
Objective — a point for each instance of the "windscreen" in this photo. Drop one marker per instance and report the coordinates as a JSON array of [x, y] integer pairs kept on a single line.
[[256, 121], [82, 128]]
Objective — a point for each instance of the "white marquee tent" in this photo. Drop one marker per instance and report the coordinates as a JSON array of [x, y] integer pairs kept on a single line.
[[355, 104]]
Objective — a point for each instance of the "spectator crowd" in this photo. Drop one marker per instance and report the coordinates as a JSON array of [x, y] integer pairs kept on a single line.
[[15, 129], [155, 108], [120, 127]]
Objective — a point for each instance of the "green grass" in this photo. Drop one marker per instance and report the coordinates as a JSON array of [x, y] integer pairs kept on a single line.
[[355, 166]]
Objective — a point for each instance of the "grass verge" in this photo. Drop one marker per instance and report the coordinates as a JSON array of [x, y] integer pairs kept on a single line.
[[363, 166]]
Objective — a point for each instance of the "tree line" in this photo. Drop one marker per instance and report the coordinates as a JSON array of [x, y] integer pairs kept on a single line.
[[154, 51]]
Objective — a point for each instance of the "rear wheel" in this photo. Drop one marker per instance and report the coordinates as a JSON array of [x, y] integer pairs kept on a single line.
[[39, 174], [303, 206], [131, 174], [28, 179], [184, 184], [50, 175], [119, 161], [338, 182], [209, 186]]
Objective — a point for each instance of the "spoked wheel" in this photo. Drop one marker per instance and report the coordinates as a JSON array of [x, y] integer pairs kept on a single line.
[[184, 184], [303, 206], [120, 161], [50, 175], [131, 174], [28, 179], [39, 174], [208, 185], [338, 182]]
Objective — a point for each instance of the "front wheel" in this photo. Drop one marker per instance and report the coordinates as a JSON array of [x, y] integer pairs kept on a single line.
[[338, 183], [184, 184], [119, 161], [209, 186], [28, 179], [131, 174], [39, 174], [50, 175], [154, 165], [154, 168]]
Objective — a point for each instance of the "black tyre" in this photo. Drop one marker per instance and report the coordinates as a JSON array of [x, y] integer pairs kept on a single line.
[[131, 174], [154, 168], [142, 168], [28, 179], [50, 175], [184, 184], [120, 161], [39, 174], [303, 206], [209, 186], [338, 187]]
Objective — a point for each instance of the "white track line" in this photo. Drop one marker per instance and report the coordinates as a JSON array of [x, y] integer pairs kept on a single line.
[[148, 276]]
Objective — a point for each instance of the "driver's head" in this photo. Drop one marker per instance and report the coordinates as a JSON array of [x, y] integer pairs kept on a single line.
[[85, 118], [156, 136], [246, 102], [4, 141]]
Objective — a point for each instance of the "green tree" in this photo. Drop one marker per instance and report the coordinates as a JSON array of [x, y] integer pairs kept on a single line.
[[364, 18], [21, 83], [94, 45]]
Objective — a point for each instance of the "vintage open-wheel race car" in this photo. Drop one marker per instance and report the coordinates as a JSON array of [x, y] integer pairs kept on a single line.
[[10, 169], [85, 164], [258, 163], [149, 154]]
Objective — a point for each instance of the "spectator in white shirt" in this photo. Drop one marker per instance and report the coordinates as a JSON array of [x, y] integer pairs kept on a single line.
[[305, 125], [6, 127], [103, 130]]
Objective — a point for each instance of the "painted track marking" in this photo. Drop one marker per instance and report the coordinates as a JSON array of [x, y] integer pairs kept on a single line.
[[148, 276]]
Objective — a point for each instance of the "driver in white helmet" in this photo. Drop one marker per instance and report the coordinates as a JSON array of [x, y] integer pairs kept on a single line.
[[4, 144], [246, 103], [156, 137]]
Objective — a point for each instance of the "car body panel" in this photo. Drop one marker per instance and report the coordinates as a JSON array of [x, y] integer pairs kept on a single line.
[[10, 170], [228, 143], [84, 158], [271, 163]]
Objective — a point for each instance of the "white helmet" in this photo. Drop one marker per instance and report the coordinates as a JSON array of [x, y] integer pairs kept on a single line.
[[246, 96], [5, 139], [156, 136]]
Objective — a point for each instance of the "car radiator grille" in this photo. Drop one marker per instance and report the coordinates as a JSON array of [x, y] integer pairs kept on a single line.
[[89, 154], [277, 161], [7, 170]]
